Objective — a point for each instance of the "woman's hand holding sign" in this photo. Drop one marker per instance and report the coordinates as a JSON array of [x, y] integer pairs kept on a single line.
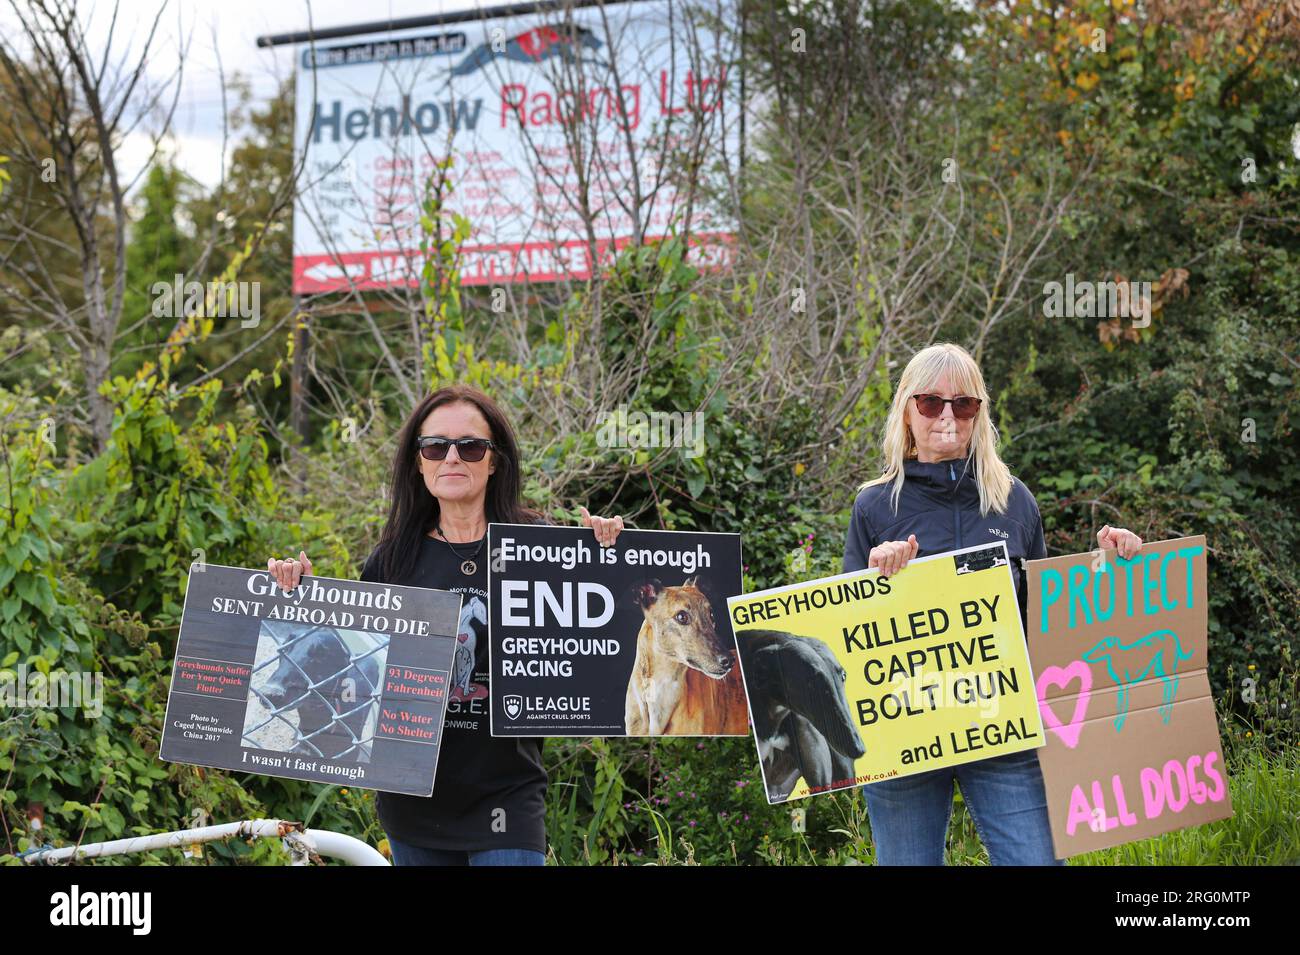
[[288, 572], [892, 556], [607, 528], [1121, 539]]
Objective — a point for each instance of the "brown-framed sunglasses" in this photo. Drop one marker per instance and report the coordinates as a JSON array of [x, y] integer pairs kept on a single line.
[[468, 449], [963, 406]]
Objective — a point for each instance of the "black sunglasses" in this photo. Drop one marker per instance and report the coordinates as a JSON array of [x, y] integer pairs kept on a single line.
[[964, 407], [469, 449]]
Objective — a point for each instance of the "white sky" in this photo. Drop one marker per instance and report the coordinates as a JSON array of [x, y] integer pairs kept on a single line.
[[232, 27]]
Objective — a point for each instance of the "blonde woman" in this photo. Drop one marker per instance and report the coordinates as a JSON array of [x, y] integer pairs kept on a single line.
[[944, 487]]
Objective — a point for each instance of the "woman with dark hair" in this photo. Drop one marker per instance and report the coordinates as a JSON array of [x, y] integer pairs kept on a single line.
[[456, 469]]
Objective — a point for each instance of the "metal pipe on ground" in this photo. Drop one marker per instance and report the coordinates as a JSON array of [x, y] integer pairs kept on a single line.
[[302, 843]]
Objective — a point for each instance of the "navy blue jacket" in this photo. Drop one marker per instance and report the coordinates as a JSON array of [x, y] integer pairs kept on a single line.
[[940, 504]]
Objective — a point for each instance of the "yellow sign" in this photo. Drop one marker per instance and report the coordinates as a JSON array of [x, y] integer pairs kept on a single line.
[[857, 678]]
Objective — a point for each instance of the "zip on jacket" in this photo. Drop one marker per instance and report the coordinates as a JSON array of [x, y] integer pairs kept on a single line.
[[939, 503]]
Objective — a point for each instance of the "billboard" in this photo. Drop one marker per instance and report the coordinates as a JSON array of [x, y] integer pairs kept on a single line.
[[570, 132]]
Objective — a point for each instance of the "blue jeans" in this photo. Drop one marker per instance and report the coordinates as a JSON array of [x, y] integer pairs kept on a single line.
[[909, 816], [406, 854]]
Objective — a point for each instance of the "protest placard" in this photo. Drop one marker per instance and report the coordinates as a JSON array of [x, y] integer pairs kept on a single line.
[[1119, 648], [336, 681], [857, 678], [629, 640]]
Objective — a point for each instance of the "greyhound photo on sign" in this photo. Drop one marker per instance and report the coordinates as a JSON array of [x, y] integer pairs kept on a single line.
[[859, 677], [629, 640], [336, 681]]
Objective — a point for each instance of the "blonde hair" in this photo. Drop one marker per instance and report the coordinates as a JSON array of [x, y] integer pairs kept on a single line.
[[926, 367]]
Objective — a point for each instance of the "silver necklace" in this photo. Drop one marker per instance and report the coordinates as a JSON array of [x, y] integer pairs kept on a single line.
[[467, 567]]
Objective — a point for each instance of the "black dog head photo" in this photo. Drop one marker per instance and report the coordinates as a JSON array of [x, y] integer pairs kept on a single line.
[[801, 716], [332, 689]]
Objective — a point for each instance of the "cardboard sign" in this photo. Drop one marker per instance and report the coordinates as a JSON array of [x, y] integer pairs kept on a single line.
[[338, 681], [857, 678], [629, 640], [1119, 649]]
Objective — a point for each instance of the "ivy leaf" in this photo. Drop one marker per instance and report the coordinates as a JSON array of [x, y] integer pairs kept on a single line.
[[113, 820], [25, 587]]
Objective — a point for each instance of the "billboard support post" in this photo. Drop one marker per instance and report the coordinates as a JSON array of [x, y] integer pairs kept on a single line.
[[298, 385]]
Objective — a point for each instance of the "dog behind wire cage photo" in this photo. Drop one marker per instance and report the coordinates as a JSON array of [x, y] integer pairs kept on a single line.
[[801, 715], [315, 690]]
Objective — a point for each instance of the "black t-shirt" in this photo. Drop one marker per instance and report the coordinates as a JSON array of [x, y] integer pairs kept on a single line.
[[489, 792]]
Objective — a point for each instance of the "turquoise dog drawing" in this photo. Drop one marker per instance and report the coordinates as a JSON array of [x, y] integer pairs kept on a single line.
[[1155, 655]]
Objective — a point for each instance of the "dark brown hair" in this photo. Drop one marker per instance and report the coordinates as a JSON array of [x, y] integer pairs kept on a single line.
[[413, 511]]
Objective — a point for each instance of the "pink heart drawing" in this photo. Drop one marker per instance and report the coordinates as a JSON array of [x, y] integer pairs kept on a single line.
[[1057, 676]]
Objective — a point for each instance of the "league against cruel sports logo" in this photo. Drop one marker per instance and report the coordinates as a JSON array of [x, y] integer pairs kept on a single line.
[[514, 705]]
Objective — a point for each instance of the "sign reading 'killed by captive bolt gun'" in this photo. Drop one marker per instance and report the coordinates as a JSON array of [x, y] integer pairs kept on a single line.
[[1120, 653], [858, 678]]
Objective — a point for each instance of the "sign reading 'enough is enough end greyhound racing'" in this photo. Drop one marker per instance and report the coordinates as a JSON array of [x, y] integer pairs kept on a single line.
[[628, 640], [336, 681], [1120, 648], [857, 678]]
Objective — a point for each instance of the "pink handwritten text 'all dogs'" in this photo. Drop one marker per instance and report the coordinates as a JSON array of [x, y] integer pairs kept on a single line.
[[1170, 789]]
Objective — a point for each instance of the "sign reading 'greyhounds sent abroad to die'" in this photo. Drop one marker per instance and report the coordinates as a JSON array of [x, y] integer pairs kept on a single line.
[[1119, 648], [628, 640], [335, 681], [857, 678]]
